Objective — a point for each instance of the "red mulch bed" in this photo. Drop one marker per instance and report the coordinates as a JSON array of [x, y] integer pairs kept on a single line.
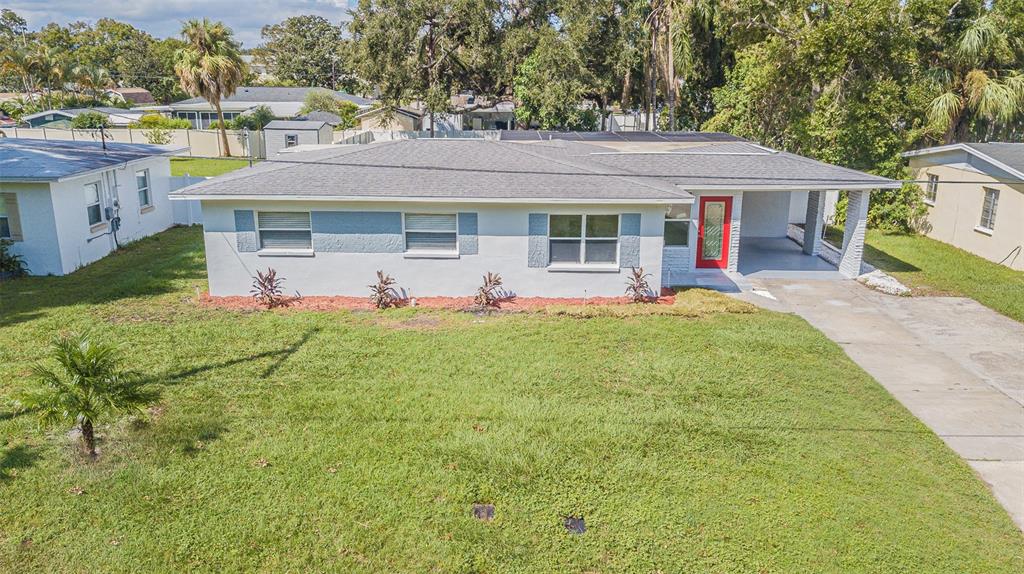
[[333, 303]]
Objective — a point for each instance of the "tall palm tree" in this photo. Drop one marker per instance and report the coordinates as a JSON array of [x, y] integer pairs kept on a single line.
[[981, 79], [88, 384], [209, 66], [18, 61], [669, 23], [92, 79]]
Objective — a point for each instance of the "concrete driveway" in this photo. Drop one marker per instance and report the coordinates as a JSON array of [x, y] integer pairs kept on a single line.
[[957, 365]]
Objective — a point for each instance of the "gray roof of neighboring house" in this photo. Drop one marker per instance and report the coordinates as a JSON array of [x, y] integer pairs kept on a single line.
[[258, 94], [23, 159], [1007, 156], [333, 119], [72, 112], [299, 125], [437, 170]]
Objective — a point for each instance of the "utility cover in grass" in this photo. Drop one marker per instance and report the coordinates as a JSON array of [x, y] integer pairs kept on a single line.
[[483, 512], [575, 525]]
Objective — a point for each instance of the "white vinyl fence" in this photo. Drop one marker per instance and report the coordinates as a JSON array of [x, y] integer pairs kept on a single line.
[[186, 212], [201, 143]]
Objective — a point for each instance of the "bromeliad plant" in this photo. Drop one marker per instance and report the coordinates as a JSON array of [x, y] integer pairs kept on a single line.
[[637, 287], [489, 294], [383, 294], [266, 289], [88, 384]]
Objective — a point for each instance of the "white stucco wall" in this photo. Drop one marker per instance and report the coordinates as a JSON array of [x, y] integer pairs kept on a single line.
[[40, 246], [275, 138], [55, 224], [503, 232], [798, 206], [766, 213]]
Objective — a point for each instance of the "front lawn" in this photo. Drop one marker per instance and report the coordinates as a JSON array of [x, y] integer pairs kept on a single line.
[[205, 166], [358, 442]]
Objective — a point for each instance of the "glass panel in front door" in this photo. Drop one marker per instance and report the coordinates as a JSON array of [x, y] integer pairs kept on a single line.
[[714, 218]]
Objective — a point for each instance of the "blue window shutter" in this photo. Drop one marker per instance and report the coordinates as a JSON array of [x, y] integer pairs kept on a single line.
[[245, 230], [538, 250], [469, 242], [357, 231], [629, 240]]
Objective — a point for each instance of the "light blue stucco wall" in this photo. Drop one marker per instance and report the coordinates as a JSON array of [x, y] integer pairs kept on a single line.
[[40, 246], [503, 239]]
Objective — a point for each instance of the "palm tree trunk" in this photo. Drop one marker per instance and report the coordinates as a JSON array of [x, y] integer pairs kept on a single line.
[[670, 71], [627, 88], [89, 436], [223, 128]]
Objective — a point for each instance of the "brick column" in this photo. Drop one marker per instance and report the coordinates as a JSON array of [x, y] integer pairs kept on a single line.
[[813, 222], [854, 232]]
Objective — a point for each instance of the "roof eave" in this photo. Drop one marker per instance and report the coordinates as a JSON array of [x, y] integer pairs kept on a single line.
[[422, 199], [805, 187], [966, 148]]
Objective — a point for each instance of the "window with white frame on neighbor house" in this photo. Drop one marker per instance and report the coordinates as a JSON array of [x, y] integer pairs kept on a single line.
[[583, 239], [431, 233], [291, 140], [142, 183], [988, 209], [92, 203], [931, 191], [284, 230], [5, 221]]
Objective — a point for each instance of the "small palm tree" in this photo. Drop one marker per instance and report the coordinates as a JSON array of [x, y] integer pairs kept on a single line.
[[209, 66], [88, 385], [92, 79]]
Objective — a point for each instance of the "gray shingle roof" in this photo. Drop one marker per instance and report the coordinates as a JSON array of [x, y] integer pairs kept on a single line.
[[333, 119], [298, 125], [442, 169], [276, 94], [24, 159], [1010, 154]]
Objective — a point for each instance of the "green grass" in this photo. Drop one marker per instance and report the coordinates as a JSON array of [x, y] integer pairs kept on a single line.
[[931, 267], [739, 441], [205, 167]]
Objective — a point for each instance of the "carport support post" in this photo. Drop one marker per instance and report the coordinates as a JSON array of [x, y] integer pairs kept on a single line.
[[813, 222], [854, 232]]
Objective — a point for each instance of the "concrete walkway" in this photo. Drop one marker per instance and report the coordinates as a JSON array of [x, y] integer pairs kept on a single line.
[[955, 364]]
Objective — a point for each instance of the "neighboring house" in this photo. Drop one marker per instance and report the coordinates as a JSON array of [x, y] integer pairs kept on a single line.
[[280, 135], [66, 204], [555, 218], [118, 117], [133, 96], [333, 119], [406, 119], [974, 193], [284, 102]]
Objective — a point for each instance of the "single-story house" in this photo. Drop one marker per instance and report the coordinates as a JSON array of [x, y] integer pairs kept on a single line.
[[974, 193], [118, 117], [406, 119], [66, 204], [555, 218], [133, 96], [283, 134], [284, 102]]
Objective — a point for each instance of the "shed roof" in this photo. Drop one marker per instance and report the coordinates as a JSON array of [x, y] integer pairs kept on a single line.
[[295, 125], [23, 159]]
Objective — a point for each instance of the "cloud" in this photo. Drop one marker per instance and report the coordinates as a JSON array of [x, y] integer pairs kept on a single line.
[[163, 18]]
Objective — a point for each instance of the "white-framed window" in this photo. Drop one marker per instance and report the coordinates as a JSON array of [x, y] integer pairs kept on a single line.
[[5, 219], [142, 183], [931, 191], [431, 232], [92, 203], [988, 209], [677, 232], [284, 230], [586, 239], [291, 140]]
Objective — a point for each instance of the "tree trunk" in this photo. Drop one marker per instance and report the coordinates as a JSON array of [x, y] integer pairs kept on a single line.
[[670, 72], [223, 127], [89, 437], [430, 69], [627, 88]]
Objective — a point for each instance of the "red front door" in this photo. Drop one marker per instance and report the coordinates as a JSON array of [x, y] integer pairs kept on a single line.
[[713, 232]]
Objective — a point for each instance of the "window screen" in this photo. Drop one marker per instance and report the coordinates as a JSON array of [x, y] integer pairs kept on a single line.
[[92, 203], [677, 232], [142, 183], [431, 232], [567, 242], [284, 230], [989, 207]]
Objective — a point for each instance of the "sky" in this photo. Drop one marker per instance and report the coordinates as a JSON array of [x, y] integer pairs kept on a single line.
[[162, 18]]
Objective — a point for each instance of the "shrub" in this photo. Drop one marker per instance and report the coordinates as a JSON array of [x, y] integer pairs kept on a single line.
[[11, 265], [637, 286], [256, 119], [489, 294], [158, 136], [266, 289], [383, 294], [90, 121], [160, 121]]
